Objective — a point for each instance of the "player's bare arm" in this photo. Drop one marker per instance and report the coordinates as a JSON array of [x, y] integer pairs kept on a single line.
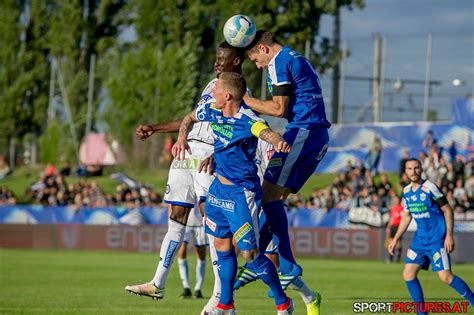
[[274, 138], [277, 106], [144, 131], [181, 146], [402, 228], [448, 217]]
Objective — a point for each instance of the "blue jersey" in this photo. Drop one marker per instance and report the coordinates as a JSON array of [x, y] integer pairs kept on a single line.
[[291, 74], [234, 145], [424, 205]]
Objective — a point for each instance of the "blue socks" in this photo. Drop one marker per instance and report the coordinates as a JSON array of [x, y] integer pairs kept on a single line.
[[416, 293], [276, 215], [266, 271], [227, 269], [463, 289]]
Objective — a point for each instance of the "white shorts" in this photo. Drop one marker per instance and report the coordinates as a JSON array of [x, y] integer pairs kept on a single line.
[[186, 186], [196, 235]]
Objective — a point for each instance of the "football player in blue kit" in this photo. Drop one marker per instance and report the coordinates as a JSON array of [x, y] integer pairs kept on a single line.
[[236, 192], [433, 240], [296, 96]]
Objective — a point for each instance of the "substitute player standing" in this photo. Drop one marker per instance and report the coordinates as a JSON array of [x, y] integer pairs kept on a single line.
[[433, 240], [235, 192]]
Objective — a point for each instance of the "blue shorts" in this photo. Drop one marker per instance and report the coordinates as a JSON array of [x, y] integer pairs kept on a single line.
[[292, 170], [437, 256], [229, 211]]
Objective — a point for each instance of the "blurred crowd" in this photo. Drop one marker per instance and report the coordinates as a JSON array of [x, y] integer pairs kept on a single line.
[[356, 187], [7, 197], [51, 189]]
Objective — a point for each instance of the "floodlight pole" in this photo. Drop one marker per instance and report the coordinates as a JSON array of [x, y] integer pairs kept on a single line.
[[426, 98]]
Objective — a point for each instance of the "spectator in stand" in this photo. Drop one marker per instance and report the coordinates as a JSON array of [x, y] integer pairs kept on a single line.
[[374, 154], [458, 167], [403, 161], [392, 226], [375, 203], [459, 192], [453, 151], [7, 197], [384, 183], [4, 168], [428, 140], [469, 186], [431, 171]]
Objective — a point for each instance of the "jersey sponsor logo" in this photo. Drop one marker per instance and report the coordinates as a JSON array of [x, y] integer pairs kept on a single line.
[[211, 224], [227, 205], [275, 162], [423, 196], [423, 215], [436, 257], [417, 207], [411, 254], [170, 253], [225, 130], [186, 164], [322, 153], [201, 113], [242, 231]]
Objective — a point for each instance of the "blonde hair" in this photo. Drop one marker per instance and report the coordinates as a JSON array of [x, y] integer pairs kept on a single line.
[[234, 83]]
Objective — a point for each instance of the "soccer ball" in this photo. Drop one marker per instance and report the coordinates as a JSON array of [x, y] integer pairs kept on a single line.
[[239, 30]]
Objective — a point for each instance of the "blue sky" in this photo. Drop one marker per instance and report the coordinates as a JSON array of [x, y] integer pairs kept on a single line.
[[406, 24]]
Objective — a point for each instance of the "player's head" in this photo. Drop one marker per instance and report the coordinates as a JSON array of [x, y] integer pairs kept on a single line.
[[261, 49], [228, 58], [230, 87], [413, 170]]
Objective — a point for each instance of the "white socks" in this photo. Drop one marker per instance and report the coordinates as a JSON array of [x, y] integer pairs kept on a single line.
[[200, 271], [169, 248], [184, 272], [307, 295]]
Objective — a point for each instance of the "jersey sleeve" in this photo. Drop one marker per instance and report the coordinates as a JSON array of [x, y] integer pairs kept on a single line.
[[436, 194], [203, 111], [280, 78]]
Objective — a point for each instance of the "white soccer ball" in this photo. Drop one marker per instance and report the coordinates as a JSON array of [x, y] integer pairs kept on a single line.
[[239, 30]]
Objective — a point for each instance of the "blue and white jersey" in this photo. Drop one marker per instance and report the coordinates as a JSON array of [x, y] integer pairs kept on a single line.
[[235, 145], [424, 205], [289, 69], [201, 131]]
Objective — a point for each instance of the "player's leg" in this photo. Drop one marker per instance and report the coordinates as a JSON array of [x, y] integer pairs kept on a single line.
[[441, 263], [201, 243], [244, 228], [287, 173], [169, 247], [183, 267], [410, 273]]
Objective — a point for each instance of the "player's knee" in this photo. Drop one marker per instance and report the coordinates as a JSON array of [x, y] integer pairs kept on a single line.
[[445, 277], [408, 275], [179, 214], [249, 254]]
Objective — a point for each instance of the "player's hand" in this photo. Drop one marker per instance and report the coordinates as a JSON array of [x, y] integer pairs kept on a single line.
[[282, 146], [144, 131], [391, 246], [449, 244], [180, 148], [206, 165]]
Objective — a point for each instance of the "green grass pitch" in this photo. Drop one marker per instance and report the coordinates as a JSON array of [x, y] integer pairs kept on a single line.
[[92, 282]]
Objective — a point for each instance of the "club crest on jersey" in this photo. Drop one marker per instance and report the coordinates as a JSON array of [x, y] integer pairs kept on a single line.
[[423, 196], [413, 198]]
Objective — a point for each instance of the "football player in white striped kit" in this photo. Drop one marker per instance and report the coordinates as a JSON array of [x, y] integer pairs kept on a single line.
[[186, 185]]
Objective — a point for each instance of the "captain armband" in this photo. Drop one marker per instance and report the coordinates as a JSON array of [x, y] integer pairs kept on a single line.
[[258, 127]]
